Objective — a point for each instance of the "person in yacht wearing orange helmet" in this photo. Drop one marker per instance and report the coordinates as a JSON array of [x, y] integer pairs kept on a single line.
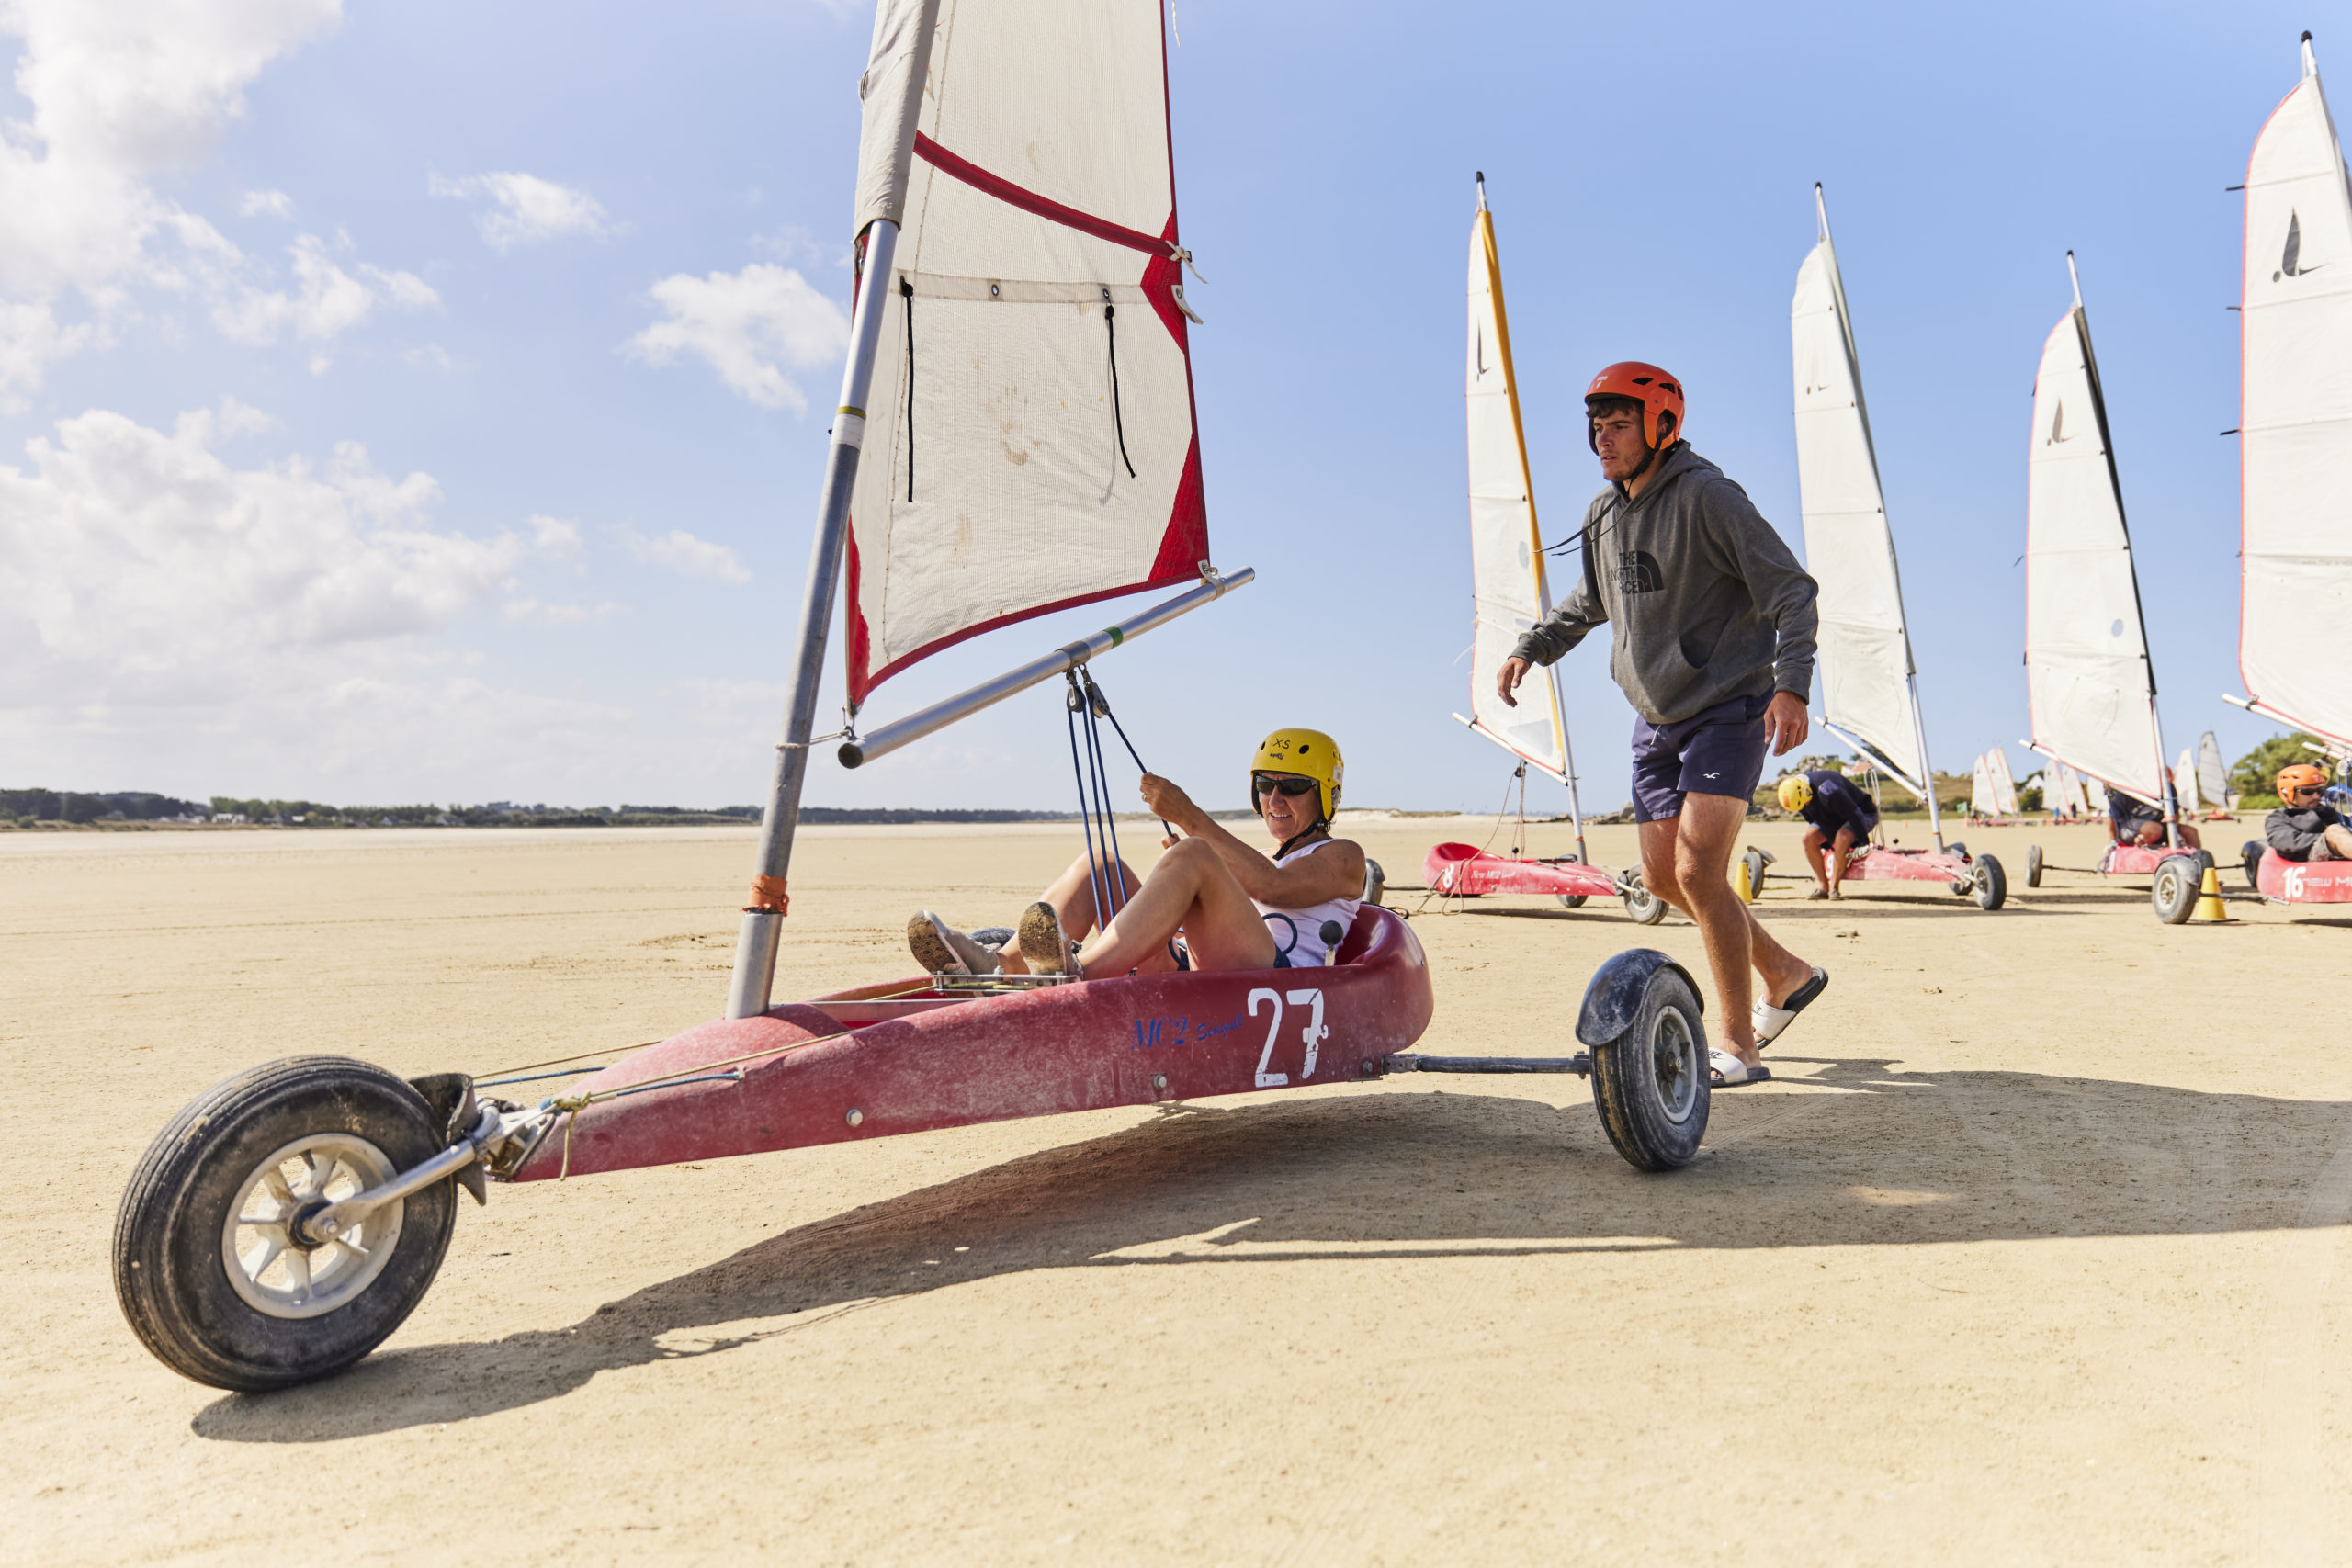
[[2305, 827], [1713, 625], [1212, 902]]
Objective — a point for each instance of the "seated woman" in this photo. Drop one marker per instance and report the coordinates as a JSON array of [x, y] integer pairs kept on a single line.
[[2303, 827], [1233, 906], [2137, 822]]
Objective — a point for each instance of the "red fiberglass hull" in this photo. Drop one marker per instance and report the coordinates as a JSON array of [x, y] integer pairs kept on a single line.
[[1459, 871], [899, 1058], [2135, 860], [1908, 865], [2304, 881]]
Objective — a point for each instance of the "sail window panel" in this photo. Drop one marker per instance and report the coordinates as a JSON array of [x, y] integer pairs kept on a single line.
[[2083, 709], [1066, 98], [2294, 610], [1527, 729], [1862, 694]]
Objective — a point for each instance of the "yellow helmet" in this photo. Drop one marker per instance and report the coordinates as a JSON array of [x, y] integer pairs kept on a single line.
[[1307, 752], [1796, 793]]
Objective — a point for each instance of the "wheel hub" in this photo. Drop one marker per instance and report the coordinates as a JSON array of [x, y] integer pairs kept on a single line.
[[273, 1261]]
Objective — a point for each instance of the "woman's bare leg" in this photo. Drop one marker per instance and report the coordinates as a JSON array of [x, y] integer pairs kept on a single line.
[[1072, 896], [1191, 890]]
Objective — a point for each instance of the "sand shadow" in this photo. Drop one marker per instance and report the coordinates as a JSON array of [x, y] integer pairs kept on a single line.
[[1855, 1154]]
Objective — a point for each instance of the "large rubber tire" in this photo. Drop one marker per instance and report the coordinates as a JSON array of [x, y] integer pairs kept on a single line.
[[1573, 900], [1757, 866], [1643, 906], [1992, 884], [173, 1252], [2174, 892], [1375, 881], [1650, 1083], [2251, 854], [2033, 865]]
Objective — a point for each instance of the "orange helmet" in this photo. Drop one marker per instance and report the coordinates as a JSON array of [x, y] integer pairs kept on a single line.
[[1657, 392], [2300, 775]]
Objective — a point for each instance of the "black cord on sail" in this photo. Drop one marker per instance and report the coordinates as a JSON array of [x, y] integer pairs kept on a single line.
[[1112, 331], [906, 302]]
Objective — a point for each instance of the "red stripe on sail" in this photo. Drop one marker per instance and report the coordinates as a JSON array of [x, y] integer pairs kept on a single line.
[[1045, 207]]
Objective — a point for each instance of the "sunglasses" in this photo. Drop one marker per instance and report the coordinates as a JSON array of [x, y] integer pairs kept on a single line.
[[2305, 789], [1276, 783]]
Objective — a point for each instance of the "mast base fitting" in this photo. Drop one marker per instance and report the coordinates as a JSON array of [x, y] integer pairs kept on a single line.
[[768, 897]]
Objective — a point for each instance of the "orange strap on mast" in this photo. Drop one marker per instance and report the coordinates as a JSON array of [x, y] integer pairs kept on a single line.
[[768, 896]]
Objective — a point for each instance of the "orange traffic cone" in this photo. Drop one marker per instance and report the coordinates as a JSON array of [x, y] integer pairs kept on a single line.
[[2208, 898]]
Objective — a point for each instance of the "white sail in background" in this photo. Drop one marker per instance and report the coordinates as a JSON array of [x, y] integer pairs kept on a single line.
[[2212, 777], [2184, 781], [2088, 683], [1505, 549], [1868, 694], [1983, 797], [2004, 783], [1029, 442], [2295, 416]]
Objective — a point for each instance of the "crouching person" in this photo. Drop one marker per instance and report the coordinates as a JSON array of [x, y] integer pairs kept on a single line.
[[1212, 901]]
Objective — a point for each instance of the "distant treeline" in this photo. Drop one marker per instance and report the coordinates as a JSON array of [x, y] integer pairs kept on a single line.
[[34, 808], [64, 805]]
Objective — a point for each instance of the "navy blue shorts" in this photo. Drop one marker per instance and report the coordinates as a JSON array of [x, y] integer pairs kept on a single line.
[[1717, 751]]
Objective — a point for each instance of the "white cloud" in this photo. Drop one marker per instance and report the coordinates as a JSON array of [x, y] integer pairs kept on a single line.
[[267, 203], [751, 326], [554, 536], [326, 301], [433, 356], [681, 552], [533, 612], [137, 565], [120, 91], [528, 209]]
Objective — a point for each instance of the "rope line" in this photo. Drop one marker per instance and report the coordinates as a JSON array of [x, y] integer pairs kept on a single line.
[[1117, 425], [907, 300]]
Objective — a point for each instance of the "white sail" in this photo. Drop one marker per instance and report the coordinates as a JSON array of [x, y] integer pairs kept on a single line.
[[2004, 783], [1984, 798], [2295, 416], [1505, 549], [1868, 693], [2212, 777], [2088, 682], [2184, 781], [1029, 440]]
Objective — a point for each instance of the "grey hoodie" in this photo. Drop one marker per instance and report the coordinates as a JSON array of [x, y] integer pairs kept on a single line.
[[1708, 602]]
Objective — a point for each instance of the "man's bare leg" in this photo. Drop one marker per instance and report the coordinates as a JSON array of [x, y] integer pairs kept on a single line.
[[1686, 860], [1840, 854], [1813, 845], [2336, 839]]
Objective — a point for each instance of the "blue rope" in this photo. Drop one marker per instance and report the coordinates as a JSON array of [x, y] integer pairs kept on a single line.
[[1072, 705]]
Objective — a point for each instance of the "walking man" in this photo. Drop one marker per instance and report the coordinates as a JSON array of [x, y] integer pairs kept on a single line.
[[1714, 646]]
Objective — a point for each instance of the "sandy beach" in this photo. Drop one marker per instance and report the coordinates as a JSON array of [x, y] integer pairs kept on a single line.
[[2036, 1250]]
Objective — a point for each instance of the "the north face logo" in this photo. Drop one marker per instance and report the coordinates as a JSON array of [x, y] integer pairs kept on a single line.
[[1637, 572]]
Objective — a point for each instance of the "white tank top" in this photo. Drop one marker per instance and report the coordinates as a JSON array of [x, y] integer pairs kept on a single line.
[[1306, 952]]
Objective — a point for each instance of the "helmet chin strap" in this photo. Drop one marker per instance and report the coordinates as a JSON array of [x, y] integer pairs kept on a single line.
[[1318, 826]]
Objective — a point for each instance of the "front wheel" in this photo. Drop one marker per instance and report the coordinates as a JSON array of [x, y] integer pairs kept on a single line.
[[2174, 894], [1650, 1083], [1643, 906], [1756, 861], [209, 1265], [2250, 855], [1572, 900], [1991, 884], [2033, 865]]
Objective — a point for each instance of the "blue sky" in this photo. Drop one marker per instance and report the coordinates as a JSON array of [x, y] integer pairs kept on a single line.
[[414, 401]]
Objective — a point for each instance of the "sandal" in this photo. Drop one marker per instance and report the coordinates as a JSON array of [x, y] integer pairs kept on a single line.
[[1727, 1071], [1770, 1021]]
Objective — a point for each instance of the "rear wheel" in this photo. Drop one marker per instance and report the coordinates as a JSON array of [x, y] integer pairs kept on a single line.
[[2033, 865], [1375, 881], [1991, 885], [1572, 900], [1643, 906], [210, 1266], [1756, 861], [1650, 1083], [2174, 894], [2251, 854]]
